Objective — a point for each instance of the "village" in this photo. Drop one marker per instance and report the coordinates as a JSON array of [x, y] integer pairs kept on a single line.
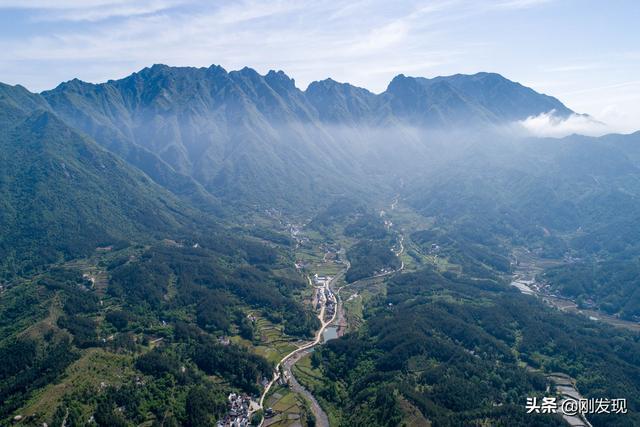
[[242, 406], [323, 295], [239, 411]]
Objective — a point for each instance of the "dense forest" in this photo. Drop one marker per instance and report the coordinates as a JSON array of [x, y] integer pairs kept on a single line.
[[607, 285], [159, 317], [468, 351], [148, 227], [371, 257]]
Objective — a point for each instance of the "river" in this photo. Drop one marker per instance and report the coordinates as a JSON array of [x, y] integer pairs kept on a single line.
[[330, 333], [525, 280], [324, 334]]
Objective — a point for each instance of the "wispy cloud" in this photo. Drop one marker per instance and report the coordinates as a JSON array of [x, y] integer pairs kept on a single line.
[[519, 4], [60, 4], [90, 10], [632, 83], [234, 13], [381, 38], [551, 125], [575, 67], [285, 34], [364, 42]]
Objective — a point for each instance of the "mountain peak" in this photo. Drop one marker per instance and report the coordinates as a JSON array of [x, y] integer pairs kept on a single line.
[[217, 69], [74, 83], [402, 84], [154, 70], [486, 75], [248, 71], [490, 97], [331, 84], [398, 79], [280, 78]]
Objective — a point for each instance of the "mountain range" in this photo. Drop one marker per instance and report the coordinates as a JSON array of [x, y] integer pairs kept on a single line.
[[241, 136], [191, 143], [149, 228]]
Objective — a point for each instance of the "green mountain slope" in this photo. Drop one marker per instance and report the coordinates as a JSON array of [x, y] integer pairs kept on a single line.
[[16, 101], [63, 196], [245, 137], [251, 138]]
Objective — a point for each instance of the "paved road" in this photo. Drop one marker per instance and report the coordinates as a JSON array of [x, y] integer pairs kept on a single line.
[[303, 348], [290, 359]]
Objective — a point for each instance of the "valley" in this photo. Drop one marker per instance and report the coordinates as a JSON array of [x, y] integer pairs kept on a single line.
[[349, 297], [527, 270], [192, 246], [331, 312]]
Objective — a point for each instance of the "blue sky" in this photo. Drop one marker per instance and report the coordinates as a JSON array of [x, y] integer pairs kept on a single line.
[[586, 53]]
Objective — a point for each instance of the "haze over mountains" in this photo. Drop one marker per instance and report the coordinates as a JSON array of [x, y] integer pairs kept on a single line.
[[214, 141], [235, 132], [188, 195], [207, 137]]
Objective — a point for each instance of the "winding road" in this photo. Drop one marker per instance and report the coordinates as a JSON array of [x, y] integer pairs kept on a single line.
[[305, 347], [287, 362]]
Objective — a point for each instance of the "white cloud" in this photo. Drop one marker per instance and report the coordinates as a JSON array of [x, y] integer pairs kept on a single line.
[[551, 125], [364, 49], [519, 4], [89, 10], [251, 10], [621, 119], [94, 14], [381, 38], [58, 4]]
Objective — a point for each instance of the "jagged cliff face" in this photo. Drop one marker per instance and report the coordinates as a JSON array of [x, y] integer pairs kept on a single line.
[[234, 132]]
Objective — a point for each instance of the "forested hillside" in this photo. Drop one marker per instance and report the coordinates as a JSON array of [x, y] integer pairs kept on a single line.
[[63, 196], [468, 351], [172, 236]]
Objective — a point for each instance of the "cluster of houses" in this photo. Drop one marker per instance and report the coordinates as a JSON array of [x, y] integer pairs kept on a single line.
[[321, 280], [330, 303], [294, 230], [542, 288], [331, 308], [317, 299], [238, 415], [324, 295]]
